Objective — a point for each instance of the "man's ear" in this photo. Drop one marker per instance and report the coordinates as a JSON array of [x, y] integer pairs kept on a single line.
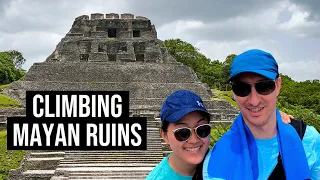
[[233, 96], [278, 87], [164, 135]]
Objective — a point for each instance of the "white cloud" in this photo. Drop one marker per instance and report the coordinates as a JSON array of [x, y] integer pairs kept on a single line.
[[301, 70], [288, 28]]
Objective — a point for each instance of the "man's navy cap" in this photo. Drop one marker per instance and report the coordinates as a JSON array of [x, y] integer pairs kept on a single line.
[[179, 104], [254, 61]]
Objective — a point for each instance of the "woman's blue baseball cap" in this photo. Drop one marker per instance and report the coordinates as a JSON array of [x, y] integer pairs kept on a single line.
[[254, 61], [179, 104]]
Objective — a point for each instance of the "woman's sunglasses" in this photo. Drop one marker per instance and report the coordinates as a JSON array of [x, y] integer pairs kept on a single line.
[[263, 87], [184, 134]]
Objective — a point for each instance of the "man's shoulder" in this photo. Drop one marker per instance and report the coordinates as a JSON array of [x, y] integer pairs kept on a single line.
[[311, 133], [311, 136]]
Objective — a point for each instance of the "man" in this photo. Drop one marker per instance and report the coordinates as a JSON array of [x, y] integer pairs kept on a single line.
[[259, 145]]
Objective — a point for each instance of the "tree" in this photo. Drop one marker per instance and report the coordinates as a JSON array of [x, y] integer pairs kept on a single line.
[[17, 58], [10, 66], [7, 68], [187, 54], [226, 66]]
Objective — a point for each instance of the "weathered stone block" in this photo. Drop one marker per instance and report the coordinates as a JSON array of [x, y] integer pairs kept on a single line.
[[125, 34], [139, 47], [97, 16], [127, 16], [98, 57], [112, 16], [152, 57], [126, 57], [141, 24], [81, 18], [84, 46], [99, 34], [141, 18]]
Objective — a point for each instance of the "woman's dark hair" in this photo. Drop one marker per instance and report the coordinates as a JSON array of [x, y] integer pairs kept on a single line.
[[198, 174]]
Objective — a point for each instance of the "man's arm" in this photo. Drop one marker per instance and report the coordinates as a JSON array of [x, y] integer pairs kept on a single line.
[[316, 167], [311, 144]]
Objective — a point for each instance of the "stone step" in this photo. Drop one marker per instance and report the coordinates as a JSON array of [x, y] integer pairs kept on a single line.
[[111, 151], [153, 161], [97, 158], [42, 163], [157, 102], [90, 158], [156, 110], [46, 154], [103, 177], [12, 111], [109, 165], [38, 174], [113, 177], [96, 170], [136, 89], [3, 117], [97, 72], [111, 155]]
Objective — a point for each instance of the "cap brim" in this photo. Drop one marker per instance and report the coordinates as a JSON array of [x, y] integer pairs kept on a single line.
[[267, 74], [179, 114]]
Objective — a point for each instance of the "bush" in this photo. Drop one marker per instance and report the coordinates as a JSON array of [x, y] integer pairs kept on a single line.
[[300, 112], [217, 132]]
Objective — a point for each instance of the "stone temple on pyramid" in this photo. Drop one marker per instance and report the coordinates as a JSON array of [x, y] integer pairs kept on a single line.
[[111, 52]]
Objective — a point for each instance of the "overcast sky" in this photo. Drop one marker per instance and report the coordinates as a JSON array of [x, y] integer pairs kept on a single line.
[[289, 29]]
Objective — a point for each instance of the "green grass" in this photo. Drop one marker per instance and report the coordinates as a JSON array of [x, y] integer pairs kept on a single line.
[[8, 159], [4, 86], [7, 102], [227, 96]]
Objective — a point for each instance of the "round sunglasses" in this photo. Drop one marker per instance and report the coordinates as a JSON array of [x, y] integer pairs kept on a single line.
[[263, 87], [184, 134]]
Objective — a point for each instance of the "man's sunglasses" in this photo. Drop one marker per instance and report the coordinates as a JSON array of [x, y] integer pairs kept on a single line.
[[263, 87], [184, 134]]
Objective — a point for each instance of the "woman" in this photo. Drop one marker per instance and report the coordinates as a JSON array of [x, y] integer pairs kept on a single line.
[[185, 127]]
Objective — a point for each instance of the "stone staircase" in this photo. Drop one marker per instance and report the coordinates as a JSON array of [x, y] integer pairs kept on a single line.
[[131, 164], [9, 112]]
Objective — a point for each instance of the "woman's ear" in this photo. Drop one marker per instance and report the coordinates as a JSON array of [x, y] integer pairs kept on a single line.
[[164, 136]]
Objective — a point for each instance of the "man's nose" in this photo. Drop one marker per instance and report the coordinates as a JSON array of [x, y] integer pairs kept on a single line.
[[254, 97]]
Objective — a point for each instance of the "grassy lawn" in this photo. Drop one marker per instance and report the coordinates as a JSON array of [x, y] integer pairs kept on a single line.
[[7, 102], [8, 159], [227, 96], [4, 86]]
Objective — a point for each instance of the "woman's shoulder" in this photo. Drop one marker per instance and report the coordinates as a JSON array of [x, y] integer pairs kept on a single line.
[[163, 171], [159, 172]]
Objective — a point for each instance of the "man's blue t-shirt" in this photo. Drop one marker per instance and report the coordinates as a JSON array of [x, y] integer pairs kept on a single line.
[[163, 171], [268, 151]]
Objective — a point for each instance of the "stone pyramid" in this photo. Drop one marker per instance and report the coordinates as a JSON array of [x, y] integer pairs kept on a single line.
[[111, 52]]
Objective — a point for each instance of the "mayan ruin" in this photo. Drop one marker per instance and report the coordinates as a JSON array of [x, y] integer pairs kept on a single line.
[[111, 52]]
